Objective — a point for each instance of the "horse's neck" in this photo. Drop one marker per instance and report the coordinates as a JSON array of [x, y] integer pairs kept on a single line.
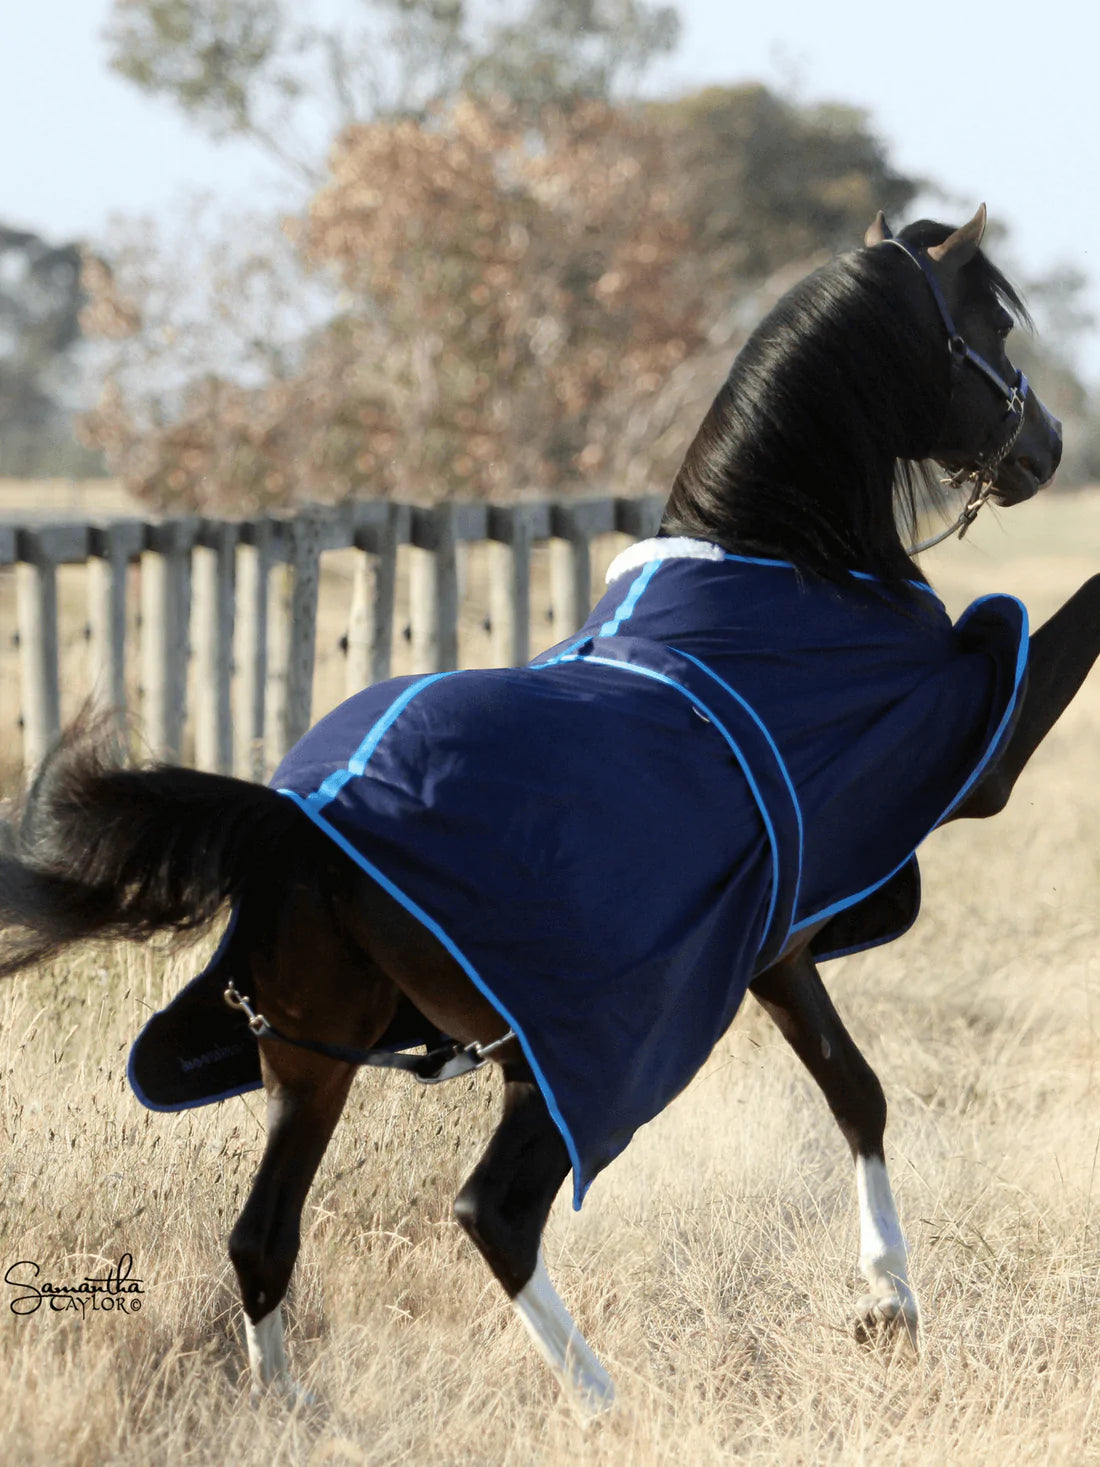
[[792, 526]]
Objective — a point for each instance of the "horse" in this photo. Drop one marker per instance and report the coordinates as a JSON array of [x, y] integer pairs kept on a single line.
[[486, 865]]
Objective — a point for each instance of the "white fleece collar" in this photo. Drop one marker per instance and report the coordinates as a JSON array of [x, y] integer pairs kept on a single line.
[[676, 547]]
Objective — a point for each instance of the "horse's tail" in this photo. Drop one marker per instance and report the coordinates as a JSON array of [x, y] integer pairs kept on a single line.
[[101, 850]]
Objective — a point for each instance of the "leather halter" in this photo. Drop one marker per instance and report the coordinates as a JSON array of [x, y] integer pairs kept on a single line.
[[1015, 394]]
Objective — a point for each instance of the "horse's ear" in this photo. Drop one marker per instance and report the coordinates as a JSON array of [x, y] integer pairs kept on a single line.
[[961, 247], [878, 231]]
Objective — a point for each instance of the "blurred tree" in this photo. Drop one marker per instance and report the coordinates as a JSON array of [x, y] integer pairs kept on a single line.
[[40, 299], [524, 299], [508, 276], [493, 297], [266, 70], [1050, 357], [771, 180]]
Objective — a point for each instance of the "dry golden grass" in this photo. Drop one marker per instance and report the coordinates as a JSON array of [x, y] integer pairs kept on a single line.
[[713, 1267]]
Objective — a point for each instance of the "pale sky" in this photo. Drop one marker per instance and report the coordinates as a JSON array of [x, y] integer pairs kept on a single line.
[[995, 102]]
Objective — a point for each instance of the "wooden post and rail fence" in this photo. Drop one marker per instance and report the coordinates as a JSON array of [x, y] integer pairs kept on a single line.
[[208, 628]]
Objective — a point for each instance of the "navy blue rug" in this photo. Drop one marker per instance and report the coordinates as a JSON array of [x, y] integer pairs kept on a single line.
[[614, 840]]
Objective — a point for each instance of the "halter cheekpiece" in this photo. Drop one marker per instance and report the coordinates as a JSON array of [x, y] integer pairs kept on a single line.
[[983, 470]]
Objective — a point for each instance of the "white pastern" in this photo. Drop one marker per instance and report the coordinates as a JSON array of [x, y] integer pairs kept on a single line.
[[883, 1256], [267, 1358], [562, 1345]]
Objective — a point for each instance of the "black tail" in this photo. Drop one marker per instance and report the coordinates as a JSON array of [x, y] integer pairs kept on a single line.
[[101, 850]]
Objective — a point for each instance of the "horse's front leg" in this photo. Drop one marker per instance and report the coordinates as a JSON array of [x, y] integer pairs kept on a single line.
[[792, 993], [305, 1095]]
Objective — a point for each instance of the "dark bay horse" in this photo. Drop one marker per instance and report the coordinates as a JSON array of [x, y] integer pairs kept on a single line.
[[502, 858]]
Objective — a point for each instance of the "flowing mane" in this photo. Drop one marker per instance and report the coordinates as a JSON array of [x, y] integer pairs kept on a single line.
[[812, 451]]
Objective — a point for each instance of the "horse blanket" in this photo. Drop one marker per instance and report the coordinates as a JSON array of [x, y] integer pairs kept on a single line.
[[614, 840]]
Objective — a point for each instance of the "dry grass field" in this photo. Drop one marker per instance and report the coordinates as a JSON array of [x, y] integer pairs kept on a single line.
[[713, 1267]]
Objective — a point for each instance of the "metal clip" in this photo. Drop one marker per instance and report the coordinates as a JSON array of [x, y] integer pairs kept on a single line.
[[236, 1000]]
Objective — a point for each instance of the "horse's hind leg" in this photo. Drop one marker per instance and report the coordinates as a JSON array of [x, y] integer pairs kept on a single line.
[[503, 1206], [792, 993], [309, 980], [305, 1095]]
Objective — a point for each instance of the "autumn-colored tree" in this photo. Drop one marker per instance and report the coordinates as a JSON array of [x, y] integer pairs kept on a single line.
[[525, 302], [495, 295]]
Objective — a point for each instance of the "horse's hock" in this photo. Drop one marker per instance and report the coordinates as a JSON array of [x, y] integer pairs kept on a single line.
[[228, 638]]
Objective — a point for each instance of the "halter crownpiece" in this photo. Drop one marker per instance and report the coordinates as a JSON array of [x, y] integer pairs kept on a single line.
[[1015, 394]]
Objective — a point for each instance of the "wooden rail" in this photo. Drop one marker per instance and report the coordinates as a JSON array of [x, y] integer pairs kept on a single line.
[[230, 609]]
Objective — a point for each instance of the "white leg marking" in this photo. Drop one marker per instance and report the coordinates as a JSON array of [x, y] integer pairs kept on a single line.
[[883, 1256], [562, 1345], [267, 1357]]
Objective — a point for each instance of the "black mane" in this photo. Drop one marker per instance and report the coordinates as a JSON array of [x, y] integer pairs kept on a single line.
[[832, 403]]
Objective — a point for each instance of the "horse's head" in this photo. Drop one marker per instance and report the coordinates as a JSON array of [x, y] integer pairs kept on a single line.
[[995, 429]]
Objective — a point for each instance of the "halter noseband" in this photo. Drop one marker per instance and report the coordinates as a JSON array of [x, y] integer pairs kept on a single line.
[[983, 469]]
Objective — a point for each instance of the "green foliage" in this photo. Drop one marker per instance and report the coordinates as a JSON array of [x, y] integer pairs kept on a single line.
[[564, 51], [773, 181], [209, 56], [246, 66]]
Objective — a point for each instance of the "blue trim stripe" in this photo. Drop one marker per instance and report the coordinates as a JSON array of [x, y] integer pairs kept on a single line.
[[633, 596], [758, 560], [357, 764], [858, 574], [762, 726], [712, 717], [975, 774], [1021, 669], [415, 910]]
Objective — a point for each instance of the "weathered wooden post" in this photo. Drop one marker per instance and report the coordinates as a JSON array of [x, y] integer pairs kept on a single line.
[[39, 551], [512, 528], [278, 652], [253, 572], [112, 547], [573, 524], [165, 612], [377, 530], [305, 564], [433, 590], [214, 603]]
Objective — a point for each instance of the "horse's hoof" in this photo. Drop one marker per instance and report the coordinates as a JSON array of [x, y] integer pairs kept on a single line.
[[285, 1391], [590, 1390], [887, 1320]]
